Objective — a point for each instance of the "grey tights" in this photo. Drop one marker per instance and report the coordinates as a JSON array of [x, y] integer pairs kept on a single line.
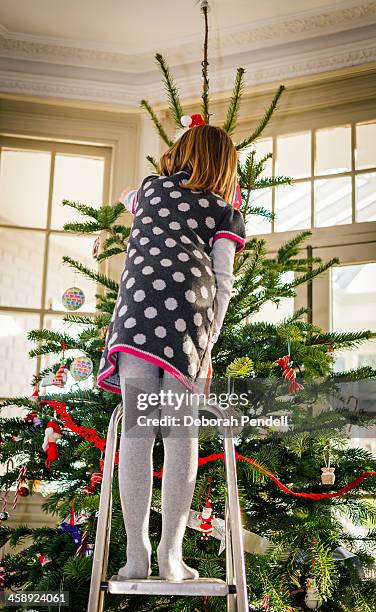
[[136, 470]]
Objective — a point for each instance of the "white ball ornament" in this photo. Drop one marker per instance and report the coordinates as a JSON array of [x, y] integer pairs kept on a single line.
[[186, 121]]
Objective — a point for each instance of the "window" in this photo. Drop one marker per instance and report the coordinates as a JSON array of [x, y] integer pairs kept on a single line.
[[35, 176], [334, 178], [353, 299]]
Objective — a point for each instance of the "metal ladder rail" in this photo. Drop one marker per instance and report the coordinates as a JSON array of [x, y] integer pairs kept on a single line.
[[237, 598], [102, 538]]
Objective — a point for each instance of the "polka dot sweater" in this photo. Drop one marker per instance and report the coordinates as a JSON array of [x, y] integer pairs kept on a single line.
[[165, 308]]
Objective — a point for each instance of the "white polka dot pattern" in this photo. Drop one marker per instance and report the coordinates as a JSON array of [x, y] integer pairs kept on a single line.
[[165, 305]]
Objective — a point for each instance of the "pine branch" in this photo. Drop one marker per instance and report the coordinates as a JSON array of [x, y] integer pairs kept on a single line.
[[176, 108], [364, 373], [234, 104], [153, 163], [321, 269], [271, 181], [84, 209], [145, 104], [262, 212], [104, 216], [342, 339], [292, 247], [95, 276], [81, 319], [106, 253], [264, 121]]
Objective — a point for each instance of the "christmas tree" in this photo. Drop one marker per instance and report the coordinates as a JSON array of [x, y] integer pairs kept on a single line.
[[298, 548]]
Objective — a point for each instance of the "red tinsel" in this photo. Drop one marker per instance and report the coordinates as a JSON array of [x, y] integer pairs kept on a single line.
[[289, 374], [316, 496], [88, 433], [83, 431]]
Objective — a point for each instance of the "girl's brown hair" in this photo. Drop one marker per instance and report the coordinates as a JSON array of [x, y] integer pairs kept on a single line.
[[209, 154]]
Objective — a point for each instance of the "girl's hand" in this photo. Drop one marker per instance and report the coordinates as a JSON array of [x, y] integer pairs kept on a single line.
[[125, 191]]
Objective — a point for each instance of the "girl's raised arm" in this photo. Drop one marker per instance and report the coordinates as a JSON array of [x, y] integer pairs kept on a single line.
[[128, 197]]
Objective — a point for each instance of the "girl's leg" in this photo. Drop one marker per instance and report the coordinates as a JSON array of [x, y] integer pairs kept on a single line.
[[178, 481], [137, 378]]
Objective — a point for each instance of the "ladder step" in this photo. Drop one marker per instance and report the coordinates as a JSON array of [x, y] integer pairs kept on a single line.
[[157, 586]]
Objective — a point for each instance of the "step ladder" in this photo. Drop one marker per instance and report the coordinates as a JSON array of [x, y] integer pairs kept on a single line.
[[234, 587]]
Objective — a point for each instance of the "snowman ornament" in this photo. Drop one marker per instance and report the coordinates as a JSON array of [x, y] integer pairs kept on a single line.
[[313, 599]]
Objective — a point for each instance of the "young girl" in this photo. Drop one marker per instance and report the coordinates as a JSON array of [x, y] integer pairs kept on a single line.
[[172, 299]]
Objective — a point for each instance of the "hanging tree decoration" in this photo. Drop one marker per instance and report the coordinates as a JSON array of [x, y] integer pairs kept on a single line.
[[207, 517], [58, 379], [35, 395], [73, 298], [313, 599], [43, 559], [4, 514], [81, 368], [20, 486], [52, 434], [328, 476], [71, 524], [265, 603], [289, 374]]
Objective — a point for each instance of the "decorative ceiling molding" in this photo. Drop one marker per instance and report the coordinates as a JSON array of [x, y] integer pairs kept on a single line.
[[129, 96], [247, 36], [279, 49]]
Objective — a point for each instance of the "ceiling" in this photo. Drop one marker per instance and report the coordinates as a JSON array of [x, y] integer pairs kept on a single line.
[[102, 51]]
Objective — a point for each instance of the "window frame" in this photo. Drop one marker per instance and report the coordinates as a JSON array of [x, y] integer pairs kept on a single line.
[[54, 147], [353, 242]]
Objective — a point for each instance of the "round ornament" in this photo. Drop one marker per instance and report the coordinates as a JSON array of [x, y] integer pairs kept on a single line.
[[73, 298], [81, 368], [4, 515]]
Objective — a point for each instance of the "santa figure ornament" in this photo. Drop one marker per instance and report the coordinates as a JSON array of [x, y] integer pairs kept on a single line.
[[207, 517], [189, 121], [52, 433]]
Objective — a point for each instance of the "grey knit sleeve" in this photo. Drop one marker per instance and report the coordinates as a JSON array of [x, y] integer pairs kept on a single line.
[[223, 253]]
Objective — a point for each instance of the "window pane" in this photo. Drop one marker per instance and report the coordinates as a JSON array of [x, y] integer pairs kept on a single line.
[[366, 197], [333, 201], [333, 150], [21, 265], [262, 148], [365, 145], [79, 179], [354, 297], [17, 368], [293, 207], [56, 323], [256, 224], [294, 155], [60, 276], [272, 313], [24, 185], [363, 355]]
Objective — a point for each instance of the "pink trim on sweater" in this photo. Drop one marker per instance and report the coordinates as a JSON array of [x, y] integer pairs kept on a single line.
[[134, 202], [126, 348], [241, 242]]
